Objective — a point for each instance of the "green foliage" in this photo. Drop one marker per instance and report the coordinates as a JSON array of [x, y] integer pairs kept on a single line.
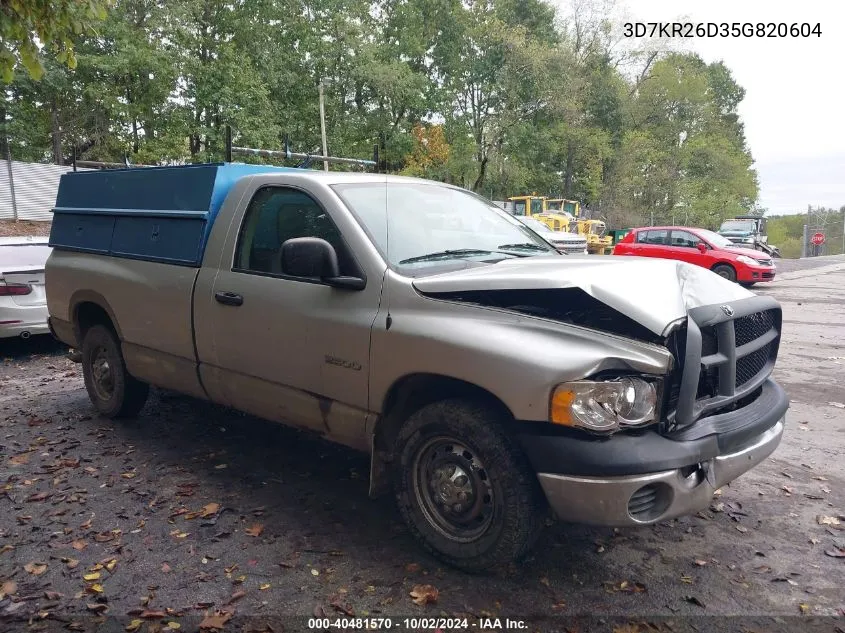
[[518, 102], [54, 24]]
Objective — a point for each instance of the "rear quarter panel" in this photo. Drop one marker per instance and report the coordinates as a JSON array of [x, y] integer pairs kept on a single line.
[[149, 304]]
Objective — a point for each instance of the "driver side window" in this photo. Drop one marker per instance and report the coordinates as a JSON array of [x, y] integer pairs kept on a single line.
[[277, 214], [684, 239]]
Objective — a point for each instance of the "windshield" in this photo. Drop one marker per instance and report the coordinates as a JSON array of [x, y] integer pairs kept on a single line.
[[420, 224], [720, 241], [737, 225]]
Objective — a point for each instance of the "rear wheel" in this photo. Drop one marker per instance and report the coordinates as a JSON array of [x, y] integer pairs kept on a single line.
[[726, 271], [464, 488], [113, 392]]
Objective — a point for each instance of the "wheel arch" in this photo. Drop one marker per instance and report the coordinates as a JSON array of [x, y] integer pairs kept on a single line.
[[89, 308], [409, 394]]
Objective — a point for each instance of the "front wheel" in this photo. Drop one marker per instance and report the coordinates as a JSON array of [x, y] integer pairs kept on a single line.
[[463, 487], [747, 284], [113, 392], [725, 271]]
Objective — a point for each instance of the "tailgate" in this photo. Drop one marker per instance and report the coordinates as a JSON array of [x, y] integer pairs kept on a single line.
[[34, 279]]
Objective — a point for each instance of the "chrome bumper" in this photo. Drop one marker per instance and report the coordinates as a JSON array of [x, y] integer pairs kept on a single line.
[[644, 499]]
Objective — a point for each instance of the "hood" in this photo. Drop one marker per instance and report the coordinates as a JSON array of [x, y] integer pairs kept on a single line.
[[735, 232], [564, 236], [654, 293], [748, 252]]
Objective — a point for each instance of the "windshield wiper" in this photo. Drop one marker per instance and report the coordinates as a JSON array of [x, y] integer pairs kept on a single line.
[[525, 245], [459, 252]]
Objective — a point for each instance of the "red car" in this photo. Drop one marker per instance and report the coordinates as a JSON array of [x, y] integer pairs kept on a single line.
[[702, 248]]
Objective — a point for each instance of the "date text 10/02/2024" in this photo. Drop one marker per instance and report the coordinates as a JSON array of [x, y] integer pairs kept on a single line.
[[721, 29], [416, 624]]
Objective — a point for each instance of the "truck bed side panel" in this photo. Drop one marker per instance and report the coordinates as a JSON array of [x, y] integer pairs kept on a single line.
[[150, 304]]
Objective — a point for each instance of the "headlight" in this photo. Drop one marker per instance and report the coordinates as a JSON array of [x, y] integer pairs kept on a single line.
[[605, 406], [750, 261]]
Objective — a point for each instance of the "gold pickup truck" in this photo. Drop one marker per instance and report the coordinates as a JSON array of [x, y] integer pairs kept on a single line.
[[491, 378]]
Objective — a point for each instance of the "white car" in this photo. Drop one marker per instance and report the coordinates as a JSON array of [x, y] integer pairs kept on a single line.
[[23, 301], [564, 242]]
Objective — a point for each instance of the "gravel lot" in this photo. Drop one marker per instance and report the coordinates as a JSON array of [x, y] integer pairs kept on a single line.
[[194, 515]]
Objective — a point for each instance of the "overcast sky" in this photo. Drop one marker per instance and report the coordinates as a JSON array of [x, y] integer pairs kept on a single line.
[[794, 107]]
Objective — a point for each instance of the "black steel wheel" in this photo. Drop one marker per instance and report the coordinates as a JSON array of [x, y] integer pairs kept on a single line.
[[464, 488], [112, 390]]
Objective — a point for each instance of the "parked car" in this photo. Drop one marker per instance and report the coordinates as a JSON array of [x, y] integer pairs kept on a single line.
[[563, 241], [23, 303], [700, 247], [489, 377]]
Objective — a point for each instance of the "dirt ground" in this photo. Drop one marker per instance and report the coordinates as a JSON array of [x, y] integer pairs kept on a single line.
[[9, 228], [194, 517]]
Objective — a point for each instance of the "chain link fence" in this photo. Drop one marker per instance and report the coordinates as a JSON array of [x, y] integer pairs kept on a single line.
[[824, 233]]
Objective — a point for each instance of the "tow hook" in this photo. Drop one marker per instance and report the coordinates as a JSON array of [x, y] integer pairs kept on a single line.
[[75, 355]]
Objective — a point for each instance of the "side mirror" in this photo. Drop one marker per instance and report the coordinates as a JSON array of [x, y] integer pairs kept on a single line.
[[702, 247], [315, 258]]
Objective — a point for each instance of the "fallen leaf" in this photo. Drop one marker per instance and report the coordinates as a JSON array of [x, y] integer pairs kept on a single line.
[[838, 405], [110, 565], [19, 460], [165, 568], [255, 530], [92, 577], [209, 510], [9, 587], [717, 507], [741, 528], [804, 607], [814, 541], [826, 520], [149, 614], [134, 625], [79, 545], [264, 586], [221, 466], [36, 569], [217, 621], [315, 572], [424, 594], [38, 496], [836, 552], [6, 548], [53, 595], [76, 626], [173, 626], [686, 579], [86, 525], [236, 596], [695, 601], [70, 562], [412, 568], [128, 475], [96, 588], [787, 489], [341, 606], [97, 607], [698, 562]]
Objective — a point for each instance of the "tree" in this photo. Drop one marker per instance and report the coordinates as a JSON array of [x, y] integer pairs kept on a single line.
[[25, 25]]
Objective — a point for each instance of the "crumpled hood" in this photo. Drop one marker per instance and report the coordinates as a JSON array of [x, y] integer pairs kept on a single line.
[[653, 292]]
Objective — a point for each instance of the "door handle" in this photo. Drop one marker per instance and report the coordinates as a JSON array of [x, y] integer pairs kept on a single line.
[[229, 298]]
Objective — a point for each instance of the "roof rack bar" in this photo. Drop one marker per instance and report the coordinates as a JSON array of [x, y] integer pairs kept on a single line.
[[272, 153]]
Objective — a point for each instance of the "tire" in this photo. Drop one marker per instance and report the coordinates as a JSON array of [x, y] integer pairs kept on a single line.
[[726, 271], [747, 284], [113, 392], [504, 522]]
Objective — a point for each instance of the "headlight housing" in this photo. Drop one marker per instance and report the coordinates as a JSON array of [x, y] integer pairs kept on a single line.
[[745, 259], [605, 406]]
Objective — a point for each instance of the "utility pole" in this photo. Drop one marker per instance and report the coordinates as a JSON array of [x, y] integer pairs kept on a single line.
[[323, 126], [804, 243], [11, 182]]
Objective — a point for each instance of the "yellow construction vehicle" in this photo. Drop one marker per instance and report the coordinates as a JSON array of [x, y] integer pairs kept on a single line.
[[597, 242], [573, 207], [557, 221], [527, 205]]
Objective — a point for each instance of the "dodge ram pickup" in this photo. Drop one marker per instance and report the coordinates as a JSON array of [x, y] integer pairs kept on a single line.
[[491, 378]]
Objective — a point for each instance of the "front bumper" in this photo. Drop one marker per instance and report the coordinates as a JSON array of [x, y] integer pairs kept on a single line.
[[756, 274]]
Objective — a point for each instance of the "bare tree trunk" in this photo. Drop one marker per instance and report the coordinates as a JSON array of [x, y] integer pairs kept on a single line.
[[4, 139], [570, 166], [56, 133]]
